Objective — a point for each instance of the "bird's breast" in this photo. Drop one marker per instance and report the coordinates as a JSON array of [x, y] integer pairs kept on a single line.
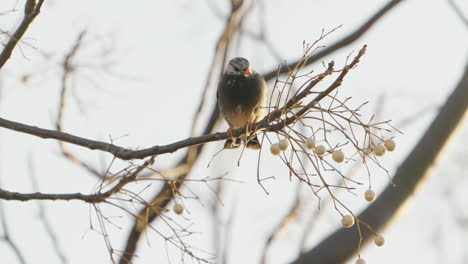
[[242, 99], [243, 91], [239, 117]]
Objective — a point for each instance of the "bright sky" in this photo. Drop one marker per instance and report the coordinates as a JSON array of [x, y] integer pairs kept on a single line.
[[159, 53]]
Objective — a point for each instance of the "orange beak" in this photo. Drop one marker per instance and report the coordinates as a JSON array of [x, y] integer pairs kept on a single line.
[[247, 72]]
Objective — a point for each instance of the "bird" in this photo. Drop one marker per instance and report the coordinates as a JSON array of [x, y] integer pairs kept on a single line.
[[242, 94]]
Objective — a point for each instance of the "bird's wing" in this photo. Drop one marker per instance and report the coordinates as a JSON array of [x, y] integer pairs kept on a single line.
[[263, 89], [219, 87]]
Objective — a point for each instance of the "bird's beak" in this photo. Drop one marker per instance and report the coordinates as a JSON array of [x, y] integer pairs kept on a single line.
[[247, 72]]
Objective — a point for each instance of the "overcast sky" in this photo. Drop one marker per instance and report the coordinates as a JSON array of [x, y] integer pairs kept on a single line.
[[157, 55]]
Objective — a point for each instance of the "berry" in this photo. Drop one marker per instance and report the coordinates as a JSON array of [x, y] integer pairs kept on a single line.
[[338, 156], [178, 209], [369, 195], [390, 145], [379, 241], [283, 144], [347, 221], [311, 143], [320, 150], [367, 150], [275, 149], [360, 261], [379, 150]]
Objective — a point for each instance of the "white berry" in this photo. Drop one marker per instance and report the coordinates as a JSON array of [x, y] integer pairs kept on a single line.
[[379, 150], [275, 149], [283, 144], [320, 150], [390, 145], [367, 150], [178, 209], [379, 241], [369, 195], [338, 156], [311, 143], [360, 261], [347, 221]]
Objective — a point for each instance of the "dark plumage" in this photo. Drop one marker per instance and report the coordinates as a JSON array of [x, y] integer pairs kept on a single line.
[[241, 99]]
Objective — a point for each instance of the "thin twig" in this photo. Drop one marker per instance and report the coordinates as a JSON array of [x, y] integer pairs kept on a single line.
[[68, 69], [293, 211], [98, 197], [414, 170], [31, 10], [6, 236], [166, 194], [126, 154], [43, 216], [341, 43], [458, 12]]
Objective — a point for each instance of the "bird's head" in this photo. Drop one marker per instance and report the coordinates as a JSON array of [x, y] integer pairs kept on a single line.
[[239, 66]]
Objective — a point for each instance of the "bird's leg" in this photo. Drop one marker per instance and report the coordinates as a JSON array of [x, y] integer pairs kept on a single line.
[[230, 132], [232, 141], [251, 140], [248, 130]]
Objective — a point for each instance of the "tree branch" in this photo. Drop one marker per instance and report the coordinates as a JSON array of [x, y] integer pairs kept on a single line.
[[166, 194], [42, 214], [68, 68], [7, 238], [220, 56], [342, 244], [337, 45], [282, 225], [163, 198], [98, 197], [458, 12], [126, 154], [31, 10]]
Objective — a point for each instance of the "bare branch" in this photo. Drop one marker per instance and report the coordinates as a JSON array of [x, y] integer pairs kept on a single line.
[[43, 216], [68, 69], [219, 58], [163, 198], [98, 197], [293, 211], [339, 44], [166, 194], [126, 154], [458, 12], [342, 244], [6, 236], [31, 10]]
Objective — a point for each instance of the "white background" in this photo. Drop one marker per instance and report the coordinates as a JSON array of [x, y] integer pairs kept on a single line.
[[162, 51]]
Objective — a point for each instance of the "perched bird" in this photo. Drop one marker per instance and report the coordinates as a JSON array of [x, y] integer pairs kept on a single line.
[[241, 100]]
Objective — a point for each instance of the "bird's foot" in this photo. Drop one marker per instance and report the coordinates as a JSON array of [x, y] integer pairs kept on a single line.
[[230, 133], [232, 144]]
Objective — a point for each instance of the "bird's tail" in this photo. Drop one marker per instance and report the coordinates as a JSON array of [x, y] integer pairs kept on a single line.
[[254, 143]]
